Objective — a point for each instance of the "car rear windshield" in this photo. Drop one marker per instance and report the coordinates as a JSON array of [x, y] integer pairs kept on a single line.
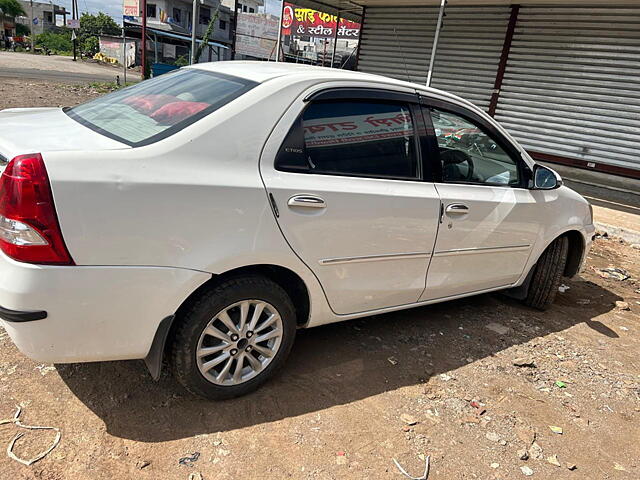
[[157, 108]]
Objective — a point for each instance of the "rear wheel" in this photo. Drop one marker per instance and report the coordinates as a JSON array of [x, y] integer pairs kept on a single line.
[[233, 338], [547, 275]]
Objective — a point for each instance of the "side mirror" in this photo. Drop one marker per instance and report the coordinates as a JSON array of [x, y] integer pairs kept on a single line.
[[545, 179]]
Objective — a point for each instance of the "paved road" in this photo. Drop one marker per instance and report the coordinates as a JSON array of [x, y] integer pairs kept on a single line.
[[57, 68]]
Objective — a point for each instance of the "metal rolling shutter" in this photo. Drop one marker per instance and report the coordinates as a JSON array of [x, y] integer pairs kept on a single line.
[[396, 42], [469, 52], [572, 84]]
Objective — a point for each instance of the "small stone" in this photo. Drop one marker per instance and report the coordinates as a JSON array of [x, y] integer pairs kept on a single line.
[[392, 360], [553, 460], [524, 362], [445, 378], [635, 246], [503, 442], [526, 435], [470, 419], [497, 328], [527, 471], [408, 419], [142, 464], [493, 436], [556, 430], [535, 451], [495, 465], [523, 454], [572, 466], [620, 305]]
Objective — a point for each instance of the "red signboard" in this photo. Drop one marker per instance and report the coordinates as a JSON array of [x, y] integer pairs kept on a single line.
[[312, 23]]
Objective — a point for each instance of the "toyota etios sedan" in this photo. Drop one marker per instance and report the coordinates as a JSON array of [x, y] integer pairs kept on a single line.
[[203, 216]]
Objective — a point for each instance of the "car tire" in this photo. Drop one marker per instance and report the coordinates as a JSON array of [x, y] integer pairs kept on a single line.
[[547, 274], [189, 342]]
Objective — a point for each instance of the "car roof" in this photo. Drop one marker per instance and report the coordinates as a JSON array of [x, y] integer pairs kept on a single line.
[[264, 71], [261, 72]]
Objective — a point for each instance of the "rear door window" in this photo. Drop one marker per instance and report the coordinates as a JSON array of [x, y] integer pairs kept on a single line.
[[157, 108], [353, 138]]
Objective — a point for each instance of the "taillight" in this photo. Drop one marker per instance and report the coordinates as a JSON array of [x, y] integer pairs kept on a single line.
[[29, 228]]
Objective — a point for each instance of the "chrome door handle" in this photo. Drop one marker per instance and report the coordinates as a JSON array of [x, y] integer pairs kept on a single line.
[[306, 201], [457, 209]]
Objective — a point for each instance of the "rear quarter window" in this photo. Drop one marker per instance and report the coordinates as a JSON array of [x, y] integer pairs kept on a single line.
[[157, 108]]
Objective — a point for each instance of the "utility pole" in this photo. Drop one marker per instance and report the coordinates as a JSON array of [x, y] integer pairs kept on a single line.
[[33, 28], [194, 15], [279, 42], [124, 55], [144, 40], [234, 41], [74, 38], [335, 39]]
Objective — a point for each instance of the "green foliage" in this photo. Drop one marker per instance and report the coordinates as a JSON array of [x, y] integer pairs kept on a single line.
[[100, 24], [207, 35], [56, 42], [12, 8], [104, 87], [182, 61], [90, 46], [93, 25], [22, 30]]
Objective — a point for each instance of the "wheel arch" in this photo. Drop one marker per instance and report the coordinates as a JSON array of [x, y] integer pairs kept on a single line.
[[290, 281], [576, 250], [575, 253], [285, 277]]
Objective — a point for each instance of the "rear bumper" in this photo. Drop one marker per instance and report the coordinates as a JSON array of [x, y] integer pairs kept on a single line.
[[83, 314]]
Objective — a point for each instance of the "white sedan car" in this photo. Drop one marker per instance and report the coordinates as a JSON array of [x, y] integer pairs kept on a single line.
[[202, 217]]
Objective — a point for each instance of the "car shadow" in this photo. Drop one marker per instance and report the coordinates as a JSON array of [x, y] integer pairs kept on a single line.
[[334, 365]]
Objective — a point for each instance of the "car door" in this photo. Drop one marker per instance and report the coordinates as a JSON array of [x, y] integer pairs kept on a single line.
[[347, 185], [489, 219]]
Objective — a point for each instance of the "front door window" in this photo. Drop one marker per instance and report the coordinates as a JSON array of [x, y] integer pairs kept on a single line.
[[469, 155]]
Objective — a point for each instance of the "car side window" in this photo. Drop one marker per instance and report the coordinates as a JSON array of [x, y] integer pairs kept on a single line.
[[469, 155], [353, 138]]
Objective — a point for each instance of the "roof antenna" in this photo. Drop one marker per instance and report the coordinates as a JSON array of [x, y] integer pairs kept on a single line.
[[404, 59]]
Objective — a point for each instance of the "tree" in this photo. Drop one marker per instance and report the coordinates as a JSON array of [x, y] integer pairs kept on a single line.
[[59, 42], [10, 8], [100, 24], [91, 26], [22, 30]]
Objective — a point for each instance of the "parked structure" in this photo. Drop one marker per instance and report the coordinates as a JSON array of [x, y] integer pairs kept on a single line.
[[560, 75], [175, 17], [245, 6], [47, 16]]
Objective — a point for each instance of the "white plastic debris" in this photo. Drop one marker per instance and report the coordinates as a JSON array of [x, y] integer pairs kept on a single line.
[[16, 421], [424, 476]]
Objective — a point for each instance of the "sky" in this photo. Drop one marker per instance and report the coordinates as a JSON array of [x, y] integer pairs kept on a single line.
[[114, 7]]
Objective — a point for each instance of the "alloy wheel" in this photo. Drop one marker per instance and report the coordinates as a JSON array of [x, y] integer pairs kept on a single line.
[[239, 342]]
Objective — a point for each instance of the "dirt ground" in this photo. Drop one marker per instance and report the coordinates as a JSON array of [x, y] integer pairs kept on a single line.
[[16, 92], [471, 383]]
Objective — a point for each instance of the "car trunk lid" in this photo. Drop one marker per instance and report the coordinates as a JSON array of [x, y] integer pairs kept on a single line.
[[29, 130]]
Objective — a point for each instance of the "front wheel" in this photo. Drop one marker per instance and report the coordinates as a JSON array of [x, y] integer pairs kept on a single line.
[[546, 277], [233, 338]]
